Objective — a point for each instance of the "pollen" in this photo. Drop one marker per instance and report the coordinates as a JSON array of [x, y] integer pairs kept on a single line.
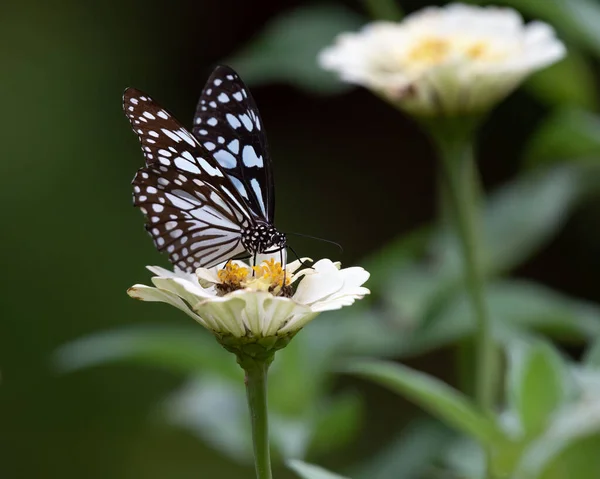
[[271, 272], [430, 50], [232, 275]]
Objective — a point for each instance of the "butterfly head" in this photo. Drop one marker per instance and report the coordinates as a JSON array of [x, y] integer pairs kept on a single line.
[[263, 238]]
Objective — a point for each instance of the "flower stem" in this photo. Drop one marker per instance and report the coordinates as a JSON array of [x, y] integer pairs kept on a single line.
[[456, 153], [256, 391]]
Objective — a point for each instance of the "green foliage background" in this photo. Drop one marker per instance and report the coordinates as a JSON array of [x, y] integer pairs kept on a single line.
[[146, 393]]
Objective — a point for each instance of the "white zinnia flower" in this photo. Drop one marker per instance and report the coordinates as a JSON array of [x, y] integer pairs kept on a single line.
[[237, 301], [452, 60]]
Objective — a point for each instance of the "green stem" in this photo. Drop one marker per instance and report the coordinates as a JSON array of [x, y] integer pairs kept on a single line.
[[456, 152], [256, 391]]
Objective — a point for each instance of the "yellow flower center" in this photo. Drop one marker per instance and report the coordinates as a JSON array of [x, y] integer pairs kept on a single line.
[[478, 50], [232, 275], [268, 276], [430, 50]]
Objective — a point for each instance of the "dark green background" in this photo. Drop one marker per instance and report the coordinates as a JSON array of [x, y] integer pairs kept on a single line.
[[348, 168]]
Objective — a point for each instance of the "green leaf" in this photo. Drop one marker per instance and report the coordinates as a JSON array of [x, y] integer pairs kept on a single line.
[[183, 350], [522, 216], [399, 253], [387, 10], [309, 471], [515, 307], [433, 395], [519, 219], [411, 454], [337, 423], [535, 384], [592, 355], [216, 412], [570, 82], [287, 49], [568, 450], [567, 133]]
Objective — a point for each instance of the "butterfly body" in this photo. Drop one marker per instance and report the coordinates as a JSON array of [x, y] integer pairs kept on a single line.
[[263, 238], [208, 195]]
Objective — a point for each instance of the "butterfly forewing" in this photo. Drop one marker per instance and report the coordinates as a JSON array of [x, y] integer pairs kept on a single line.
[[228, 124], [192, 209]]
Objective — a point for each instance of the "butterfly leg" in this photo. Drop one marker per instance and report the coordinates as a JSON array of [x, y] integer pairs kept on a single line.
[[283, 266]]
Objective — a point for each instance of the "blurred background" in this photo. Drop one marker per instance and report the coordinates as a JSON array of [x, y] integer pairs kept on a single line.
[[146, 394]]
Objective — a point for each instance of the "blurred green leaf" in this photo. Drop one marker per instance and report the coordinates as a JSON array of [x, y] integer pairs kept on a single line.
[[465, 459], [338, 422], [411, 454], [433, 395], [216, 412], [566, 133], [570, 82], [515, 307], [387, 10], [183, 350], [571, 453], [287, 49], [309, 471], [563, 450], [389, 260], [535, 384], [592, 355], [522, 216]]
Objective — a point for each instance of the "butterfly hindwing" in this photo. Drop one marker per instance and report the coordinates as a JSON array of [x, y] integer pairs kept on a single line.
[[228, 124], [193, 211]]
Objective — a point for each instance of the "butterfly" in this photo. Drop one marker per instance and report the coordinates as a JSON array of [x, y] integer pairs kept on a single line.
[[208, 196]]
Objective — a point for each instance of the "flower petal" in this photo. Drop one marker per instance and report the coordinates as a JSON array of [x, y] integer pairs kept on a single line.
[[429, 63], [315, 287], [148, 293]]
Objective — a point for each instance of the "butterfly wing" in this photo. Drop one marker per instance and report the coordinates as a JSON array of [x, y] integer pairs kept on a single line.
[[228, 124], [193, 211]]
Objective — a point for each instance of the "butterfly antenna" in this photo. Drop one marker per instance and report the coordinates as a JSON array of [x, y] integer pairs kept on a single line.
[[296, 255], [318, 239]]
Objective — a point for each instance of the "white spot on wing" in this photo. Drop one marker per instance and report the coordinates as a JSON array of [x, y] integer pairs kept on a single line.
[[225, 159], [233, 121], [246, 121], [257, 191], [186, 165], [211, 170], [250, 158], [234, 146], [171, 134], [239, 186], [223, 98]]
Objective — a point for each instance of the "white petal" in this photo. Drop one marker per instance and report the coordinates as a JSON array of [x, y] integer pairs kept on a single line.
[[257, 312], [316, 287], [430, 62], [208, 276], [147, 293], [297, 264]]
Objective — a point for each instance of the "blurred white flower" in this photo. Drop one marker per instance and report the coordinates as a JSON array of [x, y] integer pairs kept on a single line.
[[254, 303], [457, 59]]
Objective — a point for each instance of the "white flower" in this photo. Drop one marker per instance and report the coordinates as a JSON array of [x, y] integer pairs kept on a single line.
[[445, 61], [254, 303]]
